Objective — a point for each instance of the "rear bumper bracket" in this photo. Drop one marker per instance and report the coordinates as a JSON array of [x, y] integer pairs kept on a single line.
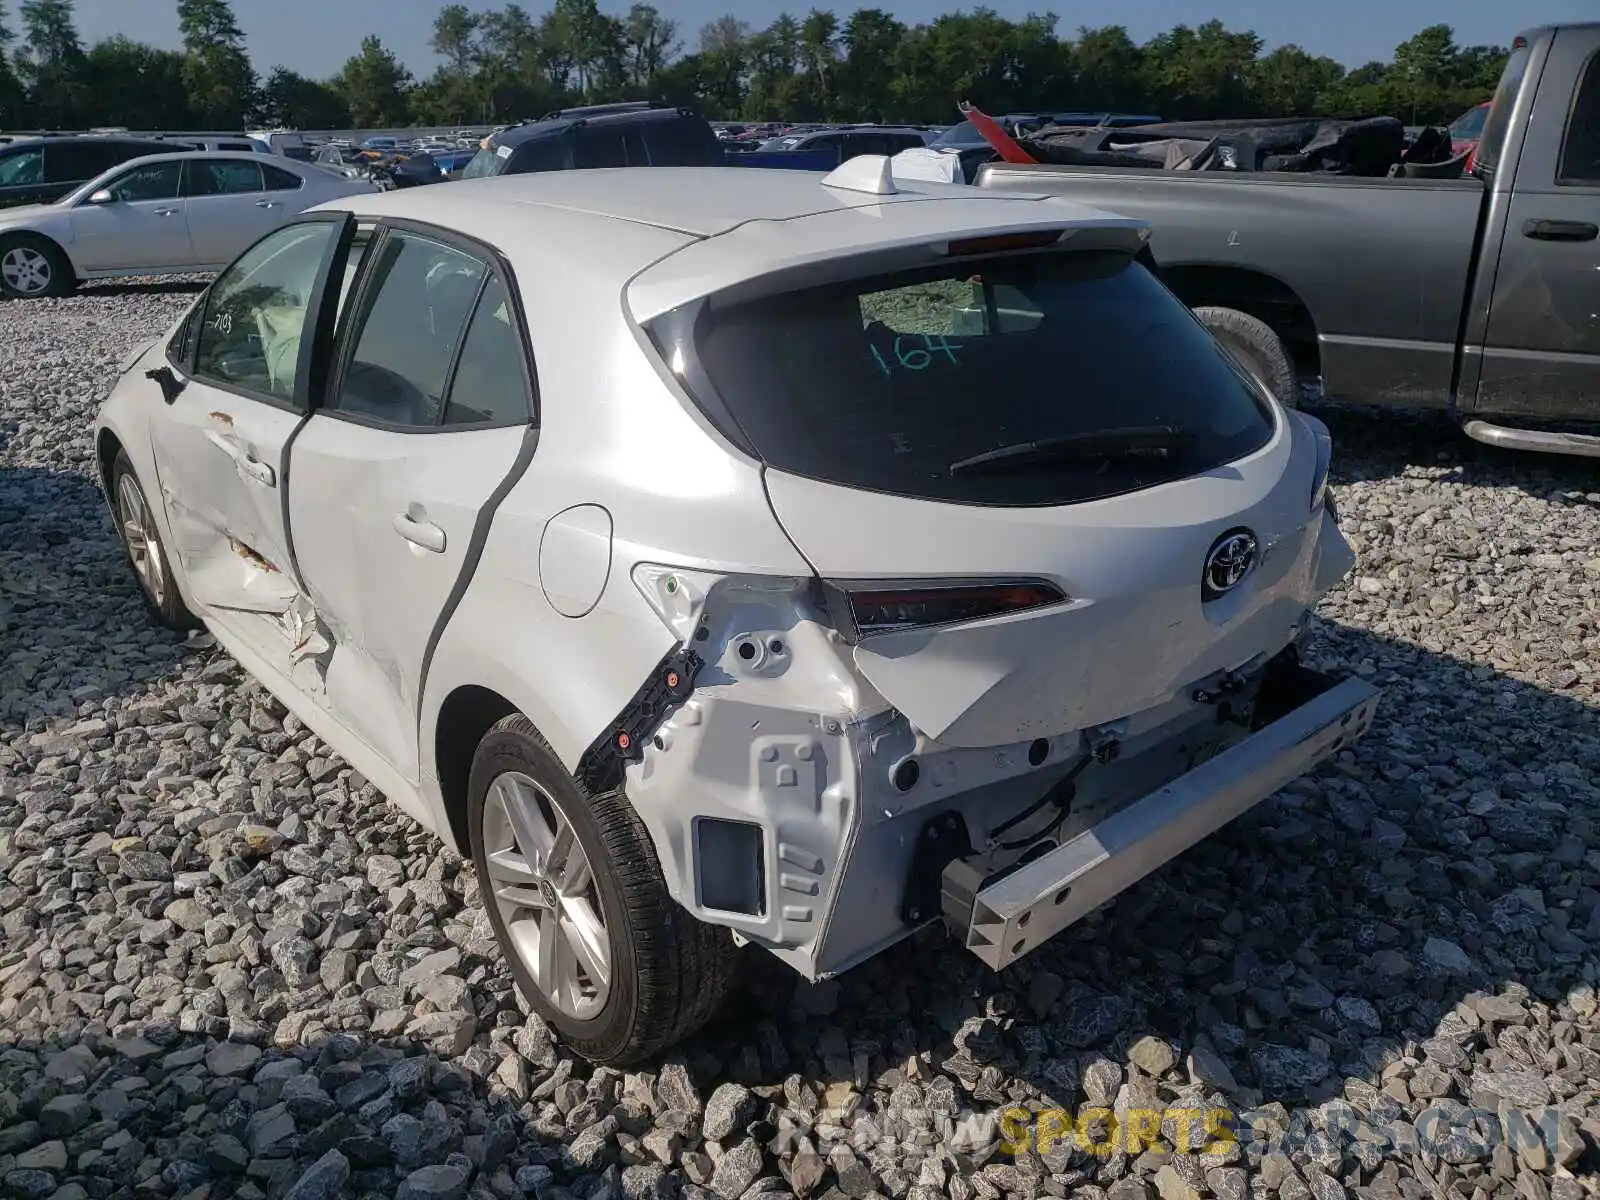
[[1002, 918]]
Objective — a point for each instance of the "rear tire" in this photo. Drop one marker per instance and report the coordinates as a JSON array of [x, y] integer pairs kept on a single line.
[[33, 267], [141, 546], [1258, 350], [664, 973]]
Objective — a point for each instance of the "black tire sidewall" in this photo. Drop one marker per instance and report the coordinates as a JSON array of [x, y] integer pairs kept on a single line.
[[62, 278], [1241, 335], [515, 750], [171, 611]]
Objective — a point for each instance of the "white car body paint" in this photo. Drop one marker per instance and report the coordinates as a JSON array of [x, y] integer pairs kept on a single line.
[[624, 532], [179, 235]]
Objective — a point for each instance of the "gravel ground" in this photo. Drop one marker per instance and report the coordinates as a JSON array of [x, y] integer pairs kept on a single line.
[[227, 968]]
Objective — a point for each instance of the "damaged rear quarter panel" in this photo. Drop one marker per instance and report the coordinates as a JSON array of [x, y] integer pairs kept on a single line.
[[613, 435]]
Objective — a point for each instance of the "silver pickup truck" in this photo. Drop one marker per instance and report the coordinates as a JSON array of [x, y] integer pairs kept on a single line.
[[1478, 295]]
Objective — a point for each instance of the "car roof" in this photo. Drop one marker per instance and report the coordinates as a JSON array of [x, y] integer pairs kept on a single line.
[[78, 139], [551, 126], [253, 156], [602, 223], [698, 201]]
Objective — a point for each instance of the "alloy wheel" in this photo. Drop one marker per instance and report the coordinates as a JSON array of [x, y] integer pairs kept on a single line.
[[139, 535], [542, 883], [26, 270]]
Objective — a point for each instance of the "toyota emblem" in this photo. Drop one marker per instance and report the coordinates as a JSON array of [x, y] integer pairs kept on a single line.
[[1232, 557]]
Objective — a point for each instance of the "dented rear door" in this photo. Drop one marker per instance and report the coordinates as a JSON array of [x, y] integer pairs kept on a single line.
[[224, 422], [425, 422]]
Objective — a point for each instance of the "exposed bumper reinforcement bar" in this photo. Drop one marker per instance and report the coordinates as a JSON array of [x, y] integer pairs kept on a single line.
[[1002, 921]]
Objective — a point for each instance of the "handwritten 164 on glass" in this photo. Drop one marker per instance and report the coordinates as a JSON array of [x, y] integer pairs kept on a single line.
[[907, 355]]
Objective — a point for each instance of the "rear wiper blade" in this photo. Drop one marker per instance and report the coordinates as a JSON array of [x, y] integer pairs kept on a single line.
[[1133, 441]]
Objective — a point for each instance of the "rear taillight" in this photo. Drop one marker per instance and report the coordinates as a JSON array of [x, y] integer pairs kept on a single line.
[[861, 610], [1322, 440]]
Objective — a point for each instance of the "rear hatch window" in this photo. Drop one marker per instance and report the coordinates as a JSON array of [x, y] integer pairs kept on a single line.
[[1024, 380]]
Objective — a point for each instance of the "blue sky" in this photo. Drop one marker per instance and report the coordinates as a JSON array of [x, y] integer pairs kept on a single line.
[[314, 37]]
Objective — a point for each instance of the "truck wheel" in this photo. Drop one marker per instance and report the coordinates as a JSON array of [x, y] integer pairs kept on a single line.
[[576, 898], [1256, 348]]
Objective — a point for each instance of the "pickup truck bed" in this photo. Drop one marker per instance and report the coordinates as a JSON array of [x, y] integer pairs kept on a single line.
[[1363, 278], [1475, 295]]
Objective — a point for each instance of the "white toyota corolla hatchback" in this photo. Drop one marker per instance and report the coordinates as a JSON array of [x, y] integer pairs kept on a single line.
[[733, 556]]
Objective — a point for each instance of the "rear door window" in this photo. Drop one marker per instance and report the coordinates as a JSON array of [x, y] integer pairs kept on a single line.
[[600, 148], [541, 154], [489, 385], [408, 325], [935, 383], [220, 177], [73, 162], [681, 143], [1580, 148]]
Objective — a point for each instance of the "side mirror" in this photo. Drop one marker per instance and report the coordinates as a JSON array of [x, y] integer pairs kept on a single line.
[[103, 196]]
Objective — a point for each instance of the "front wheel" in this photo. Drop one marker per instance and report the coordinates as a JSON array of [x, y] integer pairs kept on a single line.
[[1257, 349], [141, 543], [34, 267], [578, 903]]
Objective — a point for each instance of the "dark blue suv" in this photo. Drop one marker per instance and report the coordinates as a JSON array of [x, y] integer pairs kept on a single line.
[[604, 135]]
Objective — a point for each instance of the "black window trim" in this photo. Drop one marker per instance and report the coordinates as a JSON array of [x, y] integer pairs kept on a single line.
[[495, 263], [1591, 64], [313, 367]]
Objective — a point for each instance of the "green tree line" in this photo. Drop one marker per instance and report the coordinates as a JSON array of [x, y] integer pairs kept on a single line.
[[507, 63]]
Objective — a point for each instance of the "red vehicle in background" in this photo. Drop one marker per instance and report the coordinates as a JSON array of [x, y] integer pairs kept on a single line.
[[1467, 129]]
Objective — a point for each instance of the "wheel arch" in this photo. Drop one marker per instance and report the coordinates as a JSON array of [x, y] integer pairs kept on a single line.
[[465, 717], [107, 445], [12, 235], [1258, 293]]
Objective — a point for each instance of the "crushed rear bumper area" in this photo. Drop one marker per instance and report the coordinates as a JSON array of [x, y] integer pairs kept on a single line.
[[1001, 918]]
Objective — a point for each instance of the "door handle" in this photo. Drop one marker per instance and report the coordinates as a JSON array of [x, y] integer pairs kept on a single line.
[[248, 463], [258, 470], [266, 204], [419, 533], [164, 212], [1545, 230]]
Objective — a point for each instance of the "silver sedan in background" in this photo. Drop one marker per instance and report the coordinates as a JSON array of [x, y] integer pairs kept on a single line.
[[160, 215]]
